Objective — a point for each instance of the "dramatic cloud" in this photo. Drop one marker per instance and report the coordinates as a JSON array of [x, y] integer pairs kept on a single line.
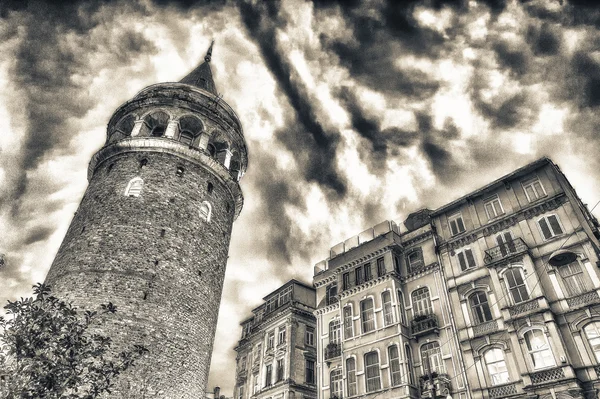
[[353, 111]]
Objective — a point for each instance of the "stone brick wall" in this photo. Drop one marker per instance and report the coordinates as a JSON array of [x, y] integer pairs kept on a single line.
[[156, 260]]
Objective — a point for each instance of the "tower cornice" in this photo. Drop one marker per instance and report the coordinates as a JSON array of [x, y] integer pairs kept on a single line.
[[165, 145]]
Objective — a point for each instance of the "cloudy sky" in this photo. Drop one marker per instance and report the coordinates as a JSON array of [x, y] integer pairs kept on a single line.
[[354, 112]]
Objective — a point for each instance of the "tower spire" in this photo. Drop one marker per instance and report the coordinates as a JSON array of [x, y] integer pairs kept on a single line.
[[208, 55], [202, 76]]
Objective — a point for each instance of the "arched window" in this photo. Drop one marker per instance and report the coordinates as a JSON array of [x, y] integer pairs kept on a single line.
[[372, 376], [592, 332], [336, 387], [574, 278], [348, 322], [367, 316], [496, 366], [134, 187], [414, 260], [401, 307], [212, 151], [395, 371], [516, 285], [421, 302], [388, 312], [351, 376], [158, 131], [186, 137], [431, 356], [539, 349], [125, 126], [205, 211], [480, 307], [155, 124], [180, 170], [334, 331], [409, 365], [331, 293]]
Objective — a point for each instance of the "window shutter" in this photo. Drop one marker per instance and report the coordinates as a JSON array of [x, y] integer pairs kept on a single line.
[[553, 220], [470, 258], [462, 261], [453, 227], [545, 229], [461, 226]]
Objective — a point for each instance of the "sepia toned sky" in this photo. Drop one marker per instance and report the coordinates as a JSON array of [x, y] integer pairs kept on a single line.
[[354, 112]]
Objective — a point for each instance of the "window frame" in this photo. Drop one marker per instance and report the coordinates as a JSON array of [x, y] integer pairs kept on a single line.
[[394, 366], [270, 340], [381, 267], [388, 309], [546, 220], [336, 385], [410, 365], [531, 183], [498, 377], [414, 265], [348, 321], [309, 336], [346, 281], [417, 307], [335, 331], [465, 259], [574, 283], [401, 307], [454, 218], [375, 368], [268, 375], [535, 351], [367, 312], [352, 383], [358, 275], [281, 335], [478, 310], [368, 273], [492, 201], [134, 187], [518, 286], [280, 370], [439, 365], [596, 325], [309, 371]]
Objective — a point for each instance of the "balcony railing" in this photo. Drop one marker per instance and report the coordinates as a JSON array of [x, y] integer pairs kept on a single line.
[[583, 299], [540, 377], [485, 328], [523, 307], [424, 324], [503, 391], [505, 250], [332, 350]]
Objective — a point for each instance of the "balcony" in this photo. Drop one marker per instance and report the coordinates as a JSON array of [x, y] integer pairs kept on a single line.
[[485, 328], [502, 391], [441, 382], [543, 376], [525, 307], [505, 251], [424, 324], [583, 299], [332, 351]]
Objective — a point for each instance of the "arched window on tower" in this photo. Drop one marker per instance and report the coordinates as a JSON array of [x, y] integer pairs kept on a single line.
[[186, 137], [155, 124], [205, 211], [134, 187]]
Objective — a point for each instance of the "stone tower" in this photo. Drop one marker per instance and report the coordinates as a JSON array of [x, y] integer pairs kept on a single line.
[[152, 231]]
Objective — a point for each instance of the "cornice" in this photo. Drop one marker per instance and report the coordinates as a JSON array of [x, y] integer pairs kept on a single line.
[[425, 270], [505, 222], [418, 239], [172, 147], [364, 286], [327, 309]]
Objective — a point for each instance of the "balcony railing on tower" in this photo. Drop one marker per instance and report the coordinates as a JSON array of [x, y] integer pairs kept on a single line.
[[424, 324], [505, 250]]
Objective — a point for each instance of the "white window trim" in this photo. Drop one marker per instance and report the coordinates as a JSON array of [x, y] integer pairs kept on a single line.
[[522, 268], [490, 200], [529, 357], [462, 250], [531, 181], [548, 223], [456, 216]]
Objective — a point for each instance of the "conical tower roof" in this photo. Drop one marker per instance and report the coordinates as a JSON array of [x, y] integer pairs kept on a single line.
[[202, 76]]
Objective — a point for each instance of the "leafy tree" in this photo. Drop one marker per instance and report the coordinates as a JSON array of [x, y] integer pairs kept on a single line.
[[48, 351]]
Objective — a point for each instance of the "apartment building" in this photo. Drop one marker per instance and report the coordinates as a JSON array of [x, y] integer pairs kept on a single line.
[[520, 256], [276, 354], [494, 295]]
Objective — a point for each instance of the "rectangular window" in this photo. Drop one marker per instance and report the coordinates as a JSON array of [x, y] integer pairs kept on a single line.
[[380, 267], [285, 296], [271, 305], [388, 312], [373, 380], [256, 384], [397, 264], [257, 352], [271, 340], [456, 224], [282, 331], [269, 375], [368, 273], [368, 319], [550, 226], [466, 259], [351, 376], [310, 372], [309, 338], [574, 279], [348, 323], [493, 208], [241, 392], [395, 371], [516, 285], [346, 281], [279, 370], [358, 275], [533, 189]]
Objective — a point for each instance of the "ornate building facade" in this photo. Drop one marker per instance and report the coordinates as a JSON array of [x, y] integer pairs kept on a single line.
[[494, 295], [152, 231], [276, 354]]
